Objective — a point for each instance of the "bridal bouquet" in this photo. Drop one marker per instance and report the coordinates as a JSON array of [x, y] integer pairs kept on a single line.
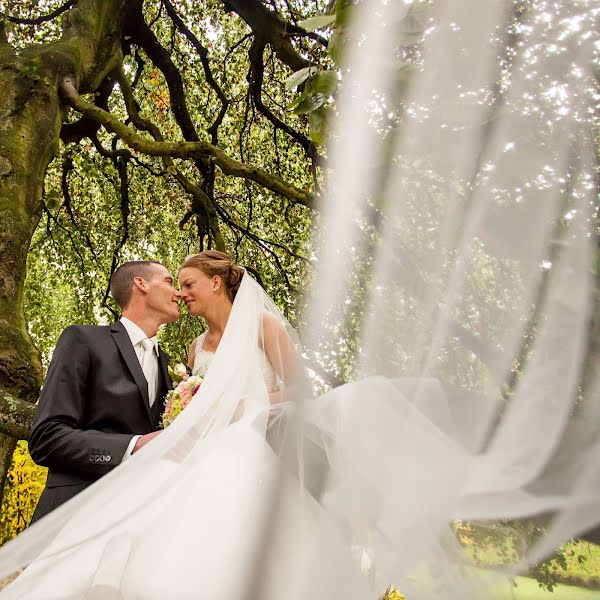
[[179, 397]]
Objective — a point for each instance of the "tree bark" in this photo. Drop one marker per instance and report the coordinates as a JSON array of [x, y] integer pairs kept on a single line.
[[31, 114]]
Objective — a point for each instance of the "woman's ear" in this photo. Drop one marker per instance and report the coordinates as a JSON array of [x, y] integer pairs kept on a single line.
[[216, 283]]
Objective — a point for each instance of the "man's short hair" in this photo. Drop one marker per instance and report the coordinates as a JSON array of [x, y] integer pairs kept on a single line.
[[121, 282]]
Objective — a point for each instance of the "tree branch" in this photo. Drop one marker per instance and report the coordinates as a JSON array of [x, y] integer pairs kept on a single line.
[[228, 165], [203, 53], [247, 233], [295, 30], [141, 33], [16, 416], [121, 166], [123, 152], [269, 27], [255, 80], [55, 13], [67, 167], [200, 201], [74, 132]]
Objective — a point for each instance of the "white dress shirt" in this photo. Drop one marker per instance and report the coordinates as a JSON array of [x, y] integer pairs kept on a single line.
[[150, 367]]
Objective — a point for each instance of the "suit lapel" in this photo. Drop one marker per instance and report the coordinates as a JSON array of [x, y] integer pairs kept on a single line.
[[163, 362], [123, 343], [164, 385]]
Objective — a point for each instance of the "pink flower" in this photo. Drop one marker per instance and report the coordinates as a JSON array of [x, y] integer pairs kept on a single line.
[[182, 386]]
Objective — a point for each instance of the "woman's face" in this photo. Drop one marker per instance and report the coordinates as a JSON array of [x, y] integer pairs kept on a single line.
[[197, 290]]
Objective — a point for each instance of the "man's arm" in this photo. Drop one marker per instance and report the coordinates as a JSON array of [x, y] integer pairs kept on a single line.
[[57, 440]]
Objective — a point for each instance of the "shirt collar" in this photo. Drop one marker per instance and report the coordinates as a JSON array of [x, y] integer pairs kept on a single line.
[[136, 334]]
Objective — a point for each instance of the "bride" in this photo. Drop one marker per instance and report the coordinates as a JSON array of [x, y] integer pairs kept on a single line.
[[209, 282]]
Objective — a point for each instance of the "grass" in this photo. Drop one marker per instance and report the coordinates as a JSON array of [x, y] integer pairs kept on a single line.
[[528, 589]]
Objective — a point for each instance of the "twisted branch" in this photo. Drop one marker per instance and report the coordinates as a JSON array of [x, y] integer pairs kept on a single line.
[[228, 165], [42, 19]]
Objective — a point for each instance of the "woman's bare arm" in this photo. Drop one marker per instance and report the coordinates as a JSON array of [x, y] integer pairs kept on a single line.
[[282, 355]]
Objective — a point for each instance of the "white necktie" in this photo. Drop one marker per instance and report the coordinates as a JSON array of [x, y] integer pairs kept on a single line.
[[149, 367]]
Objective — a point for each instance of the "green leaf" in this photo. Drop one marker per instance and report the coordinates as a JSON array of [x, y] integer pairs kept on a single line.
[[335, 46], [298, 77], [324, 82], [316, 122], [310, 102], [173, 374], [342, 12], [294, 103], [317, 22]]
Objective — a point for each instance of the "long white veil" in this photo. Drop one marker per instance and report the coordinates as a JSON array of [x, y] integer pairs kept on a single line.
[[459, 264], [456, 290]]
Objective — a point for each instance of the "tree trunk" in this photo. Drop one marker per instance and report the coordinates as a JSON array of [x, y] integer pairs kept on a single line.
[[31, 115]]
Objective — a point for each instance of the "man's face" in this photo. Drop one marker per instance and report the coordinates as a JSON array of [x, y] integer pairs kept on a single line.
[[162, 298]]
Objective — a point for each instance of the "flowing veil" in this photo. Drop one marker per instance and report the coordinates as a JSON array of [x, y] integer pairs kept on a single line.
[[459, 257], [456, 293]]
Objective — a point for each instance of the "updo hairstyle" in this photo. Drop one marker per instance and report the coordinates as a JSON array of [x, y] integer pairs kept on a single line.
[[213, 262]]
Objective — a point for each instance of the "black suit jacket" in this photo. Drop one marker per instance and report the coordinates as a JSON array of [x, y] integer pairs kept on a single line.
[[94, 400]]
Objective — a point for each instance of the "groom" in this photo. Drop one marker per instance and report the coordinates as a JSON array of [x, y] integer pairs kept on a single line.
[[103, 395]]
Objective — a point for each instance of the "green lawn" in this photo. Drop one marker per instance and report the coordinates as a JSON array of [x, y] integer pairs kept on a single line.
[[528, 589]]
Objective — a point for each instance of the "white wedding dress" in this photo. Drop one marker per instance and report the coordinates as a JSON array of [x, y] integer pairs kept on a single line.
[[203, 358]]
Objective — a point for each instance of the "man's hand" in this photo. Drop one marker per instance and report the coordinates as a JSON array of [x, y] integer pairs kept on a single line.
[[143, 440]]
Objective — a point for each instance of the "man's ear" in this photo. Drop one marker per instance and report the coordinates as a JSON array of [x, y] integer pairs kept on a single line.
[[140, 283]]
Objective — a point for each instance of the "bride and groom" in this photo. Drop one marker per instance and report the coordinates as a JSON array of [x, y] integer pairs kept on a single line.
[[211, 508], [102, 400]]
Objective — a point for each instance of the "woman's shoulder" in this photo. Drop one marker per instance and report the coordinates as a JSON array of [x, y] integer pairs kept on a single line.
[[270, 321]]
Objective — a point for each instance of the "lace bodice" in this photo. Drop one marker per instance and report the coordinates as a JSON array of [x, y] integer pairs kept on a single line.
[[203, 358]]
